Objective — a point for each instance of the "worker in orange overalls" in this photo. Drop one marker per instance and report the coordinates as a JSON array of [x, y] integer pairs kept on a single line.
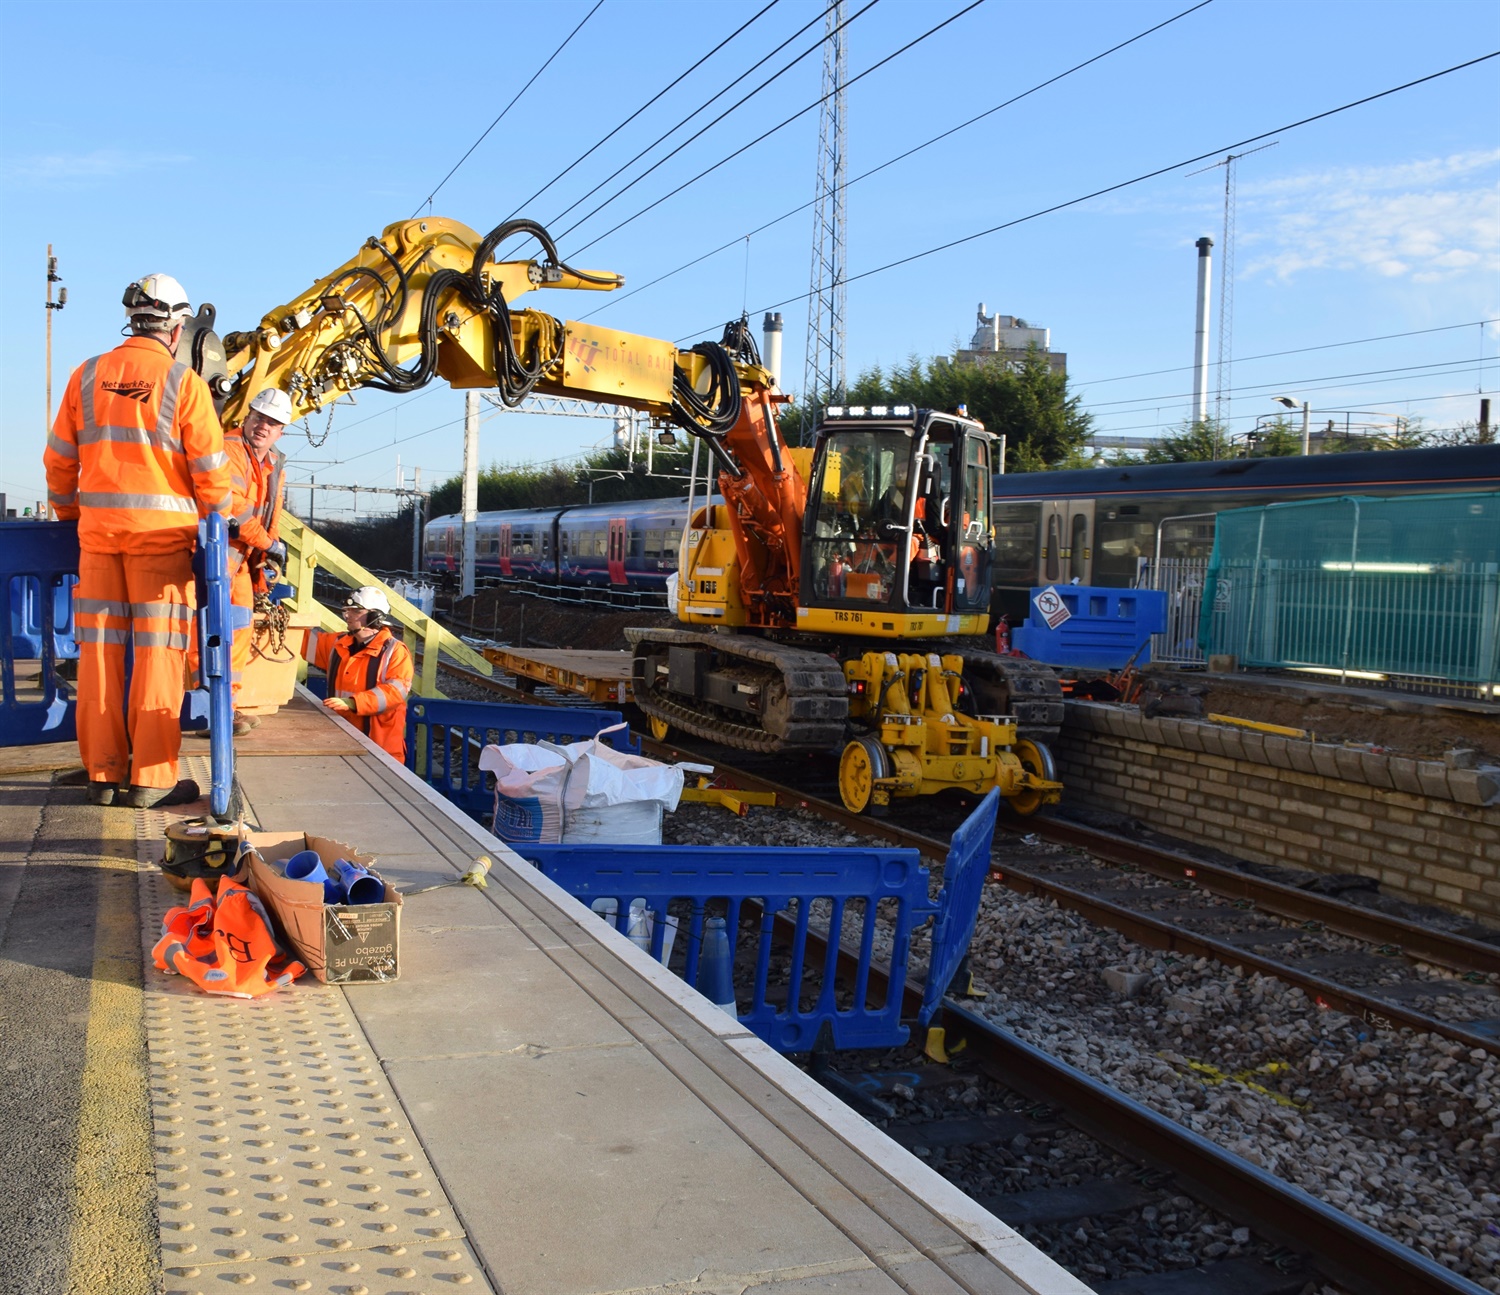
[[257, 472], [136, 456], [369, 670]]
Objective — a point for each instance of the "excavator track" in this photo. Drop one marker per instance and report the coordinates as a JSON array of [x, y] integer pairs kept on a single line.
[[1010, 685], [805, 704]]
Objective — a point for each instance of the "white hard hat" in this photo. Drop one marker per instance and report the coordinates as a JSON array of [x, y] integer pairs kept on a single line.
[[275, 404], [371, 598], [158, 295]]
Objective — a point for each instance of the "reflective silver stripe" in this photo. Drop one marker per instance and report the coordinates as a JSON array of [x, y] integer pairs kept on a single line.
[[236, 559], [62, 501], [87, 390], [155, 639], [99, 634], [221, 507], [61, 448], [180, 612], [273, 488], [310, 648], [401, 686], [166, 417], [381, 704], [208, 462], [92, 435], [242, 518], [99, 607], [151, 503]]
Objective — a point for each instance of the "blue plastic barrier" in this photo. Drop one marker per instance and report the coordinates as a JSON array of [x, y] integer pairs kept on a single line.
[[452, 766], [1105, 629], [44, 555], [964, 873], [215, 628], [37, 560], [885, 885], [862, 884], [26, 619]]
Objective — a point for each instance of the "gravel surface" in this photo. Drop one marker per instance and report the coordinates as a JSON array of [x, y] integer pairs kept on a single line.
[[1398, 1129]]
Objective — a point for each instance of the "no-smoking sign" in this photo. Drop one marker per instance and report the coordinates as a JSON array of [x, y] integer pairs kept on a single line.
[[1051, 608]]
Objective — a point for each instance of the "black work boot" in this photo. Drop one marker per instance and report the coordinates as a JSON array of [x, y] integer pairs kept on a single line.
[[102, 793], [184, 793]]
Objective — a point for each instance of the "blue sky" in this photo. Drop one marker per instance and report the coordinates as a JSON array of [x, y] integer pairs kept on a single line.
[[248, 152]]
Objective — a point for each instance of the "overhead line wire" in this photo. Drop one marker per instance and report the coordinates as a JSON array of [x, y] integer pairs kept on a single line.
[[932, 31], [428, 200], [818, 44], [1139, 179], [900, 157], [1298, 382], [1296, 350], [1414, 400], [672, 85]]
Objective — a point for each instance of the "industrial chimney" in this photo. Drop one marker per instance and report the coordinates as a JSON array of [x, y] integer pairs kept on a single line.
[[772, 357], [1200, 338]]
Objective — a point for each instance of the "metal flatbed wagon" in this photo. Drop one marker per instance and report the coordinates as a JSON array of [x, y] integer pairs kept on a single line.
[[602, 677]]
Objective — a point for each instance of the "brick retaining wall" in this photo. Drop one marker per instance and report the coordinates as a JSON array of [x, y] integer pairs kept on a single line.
[[1425, 830]]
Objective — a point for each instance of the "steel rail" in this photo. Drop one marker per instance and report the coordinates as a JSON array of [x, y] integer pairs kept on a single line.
[[1145, 928], [1350, 1252], [1456, 952]]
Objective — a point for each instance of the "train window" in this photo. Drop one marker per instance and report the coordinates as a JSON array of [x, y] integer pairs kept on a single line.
[[1078, 544], [520, 545], [600, 543], [1119, 543], [564, 546], [1051, 565], [546, 544], [673, 544], [653, 545], [637, 544], [1015, 542]]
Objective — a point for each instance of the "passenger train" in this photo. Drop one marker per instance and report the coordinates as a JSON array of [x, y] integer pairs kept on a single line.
[[1093, 525]]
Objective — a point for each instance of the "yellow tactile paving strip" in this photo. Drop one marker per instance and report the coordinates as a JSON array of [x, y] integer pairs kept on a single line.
[[282, 1157]]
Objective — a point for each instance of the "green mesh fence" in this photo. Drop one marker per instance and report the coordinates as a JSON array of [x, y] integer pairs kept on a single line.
[[1407, 587]]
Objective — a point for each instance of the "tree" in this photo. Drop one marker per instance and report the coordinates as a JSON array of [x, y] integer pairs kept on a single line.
[[1193, 443], [1275, 440], [1465, 433], [1029, 405]]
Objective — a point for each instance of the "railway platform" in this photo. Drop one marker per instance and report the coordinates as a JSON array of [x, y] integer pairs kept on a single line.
[[534, 1106]]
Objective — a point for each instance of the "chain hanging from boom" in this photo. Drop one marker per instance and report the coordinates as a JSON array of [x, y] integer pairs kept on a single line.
[[823, 380]]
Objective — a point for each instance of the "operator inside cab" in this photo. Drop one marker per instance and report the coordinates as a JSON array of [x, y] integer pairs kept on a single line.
[[369, 670]]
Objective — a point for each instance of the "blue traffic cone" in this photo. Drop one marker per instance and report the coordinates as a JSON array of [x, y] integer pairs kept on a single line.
[[716, 967], [358, 885]]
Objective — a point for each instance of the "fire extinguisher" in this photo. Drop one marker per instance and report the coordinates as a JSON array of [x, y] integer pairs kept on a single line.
[[835, 577], [1002, 636]]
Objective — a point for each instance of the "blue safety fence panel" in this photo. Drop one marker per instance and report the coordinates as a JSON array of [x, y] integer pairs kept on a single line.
[[445, 736], [38, 567], [839, 890], [215, 629], [26, 602], [1105, 628], [964, 873]]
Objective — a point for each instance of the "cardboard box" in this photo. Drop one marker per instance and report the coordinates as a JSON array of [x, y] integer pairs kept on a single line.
[[339, 943]]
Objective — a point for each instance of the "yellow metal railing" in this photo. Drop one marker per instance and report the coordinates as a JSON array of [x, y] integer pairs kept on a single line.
[[307, 551]]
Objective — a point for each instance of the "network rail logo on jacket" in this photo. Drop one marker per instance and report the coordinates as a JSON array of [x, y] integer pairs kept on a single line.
[[134, 390]]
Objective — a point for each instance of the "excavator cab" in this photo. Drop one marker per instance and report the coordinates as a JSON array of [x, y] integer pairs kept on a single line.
[[898, 517]]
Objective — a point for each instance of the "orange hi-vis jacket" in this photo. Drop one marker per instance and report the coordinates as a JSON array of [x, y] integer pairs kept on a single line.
[[224, 943], [259, 489], [375, 680], [136, 453]]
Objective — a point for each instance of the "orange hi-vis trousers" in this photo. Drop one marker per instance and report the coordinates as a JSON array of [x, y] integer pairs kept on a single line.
[[147, 597]]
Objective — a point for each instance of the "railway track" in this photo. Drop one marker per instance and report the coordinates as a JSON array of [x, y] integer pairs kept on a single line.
[[1103, 890], [1296, 1232]]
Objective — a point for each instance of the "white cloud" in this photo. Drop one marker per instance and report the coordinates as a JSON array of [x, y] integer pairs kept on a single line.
[[48, 170], [1428, 220]]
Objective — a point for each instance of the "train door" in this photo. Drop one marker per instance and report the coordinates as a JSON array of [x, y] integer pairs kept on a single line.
[[505, 549], [618, 542], [448, 537], [1067, 555]]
